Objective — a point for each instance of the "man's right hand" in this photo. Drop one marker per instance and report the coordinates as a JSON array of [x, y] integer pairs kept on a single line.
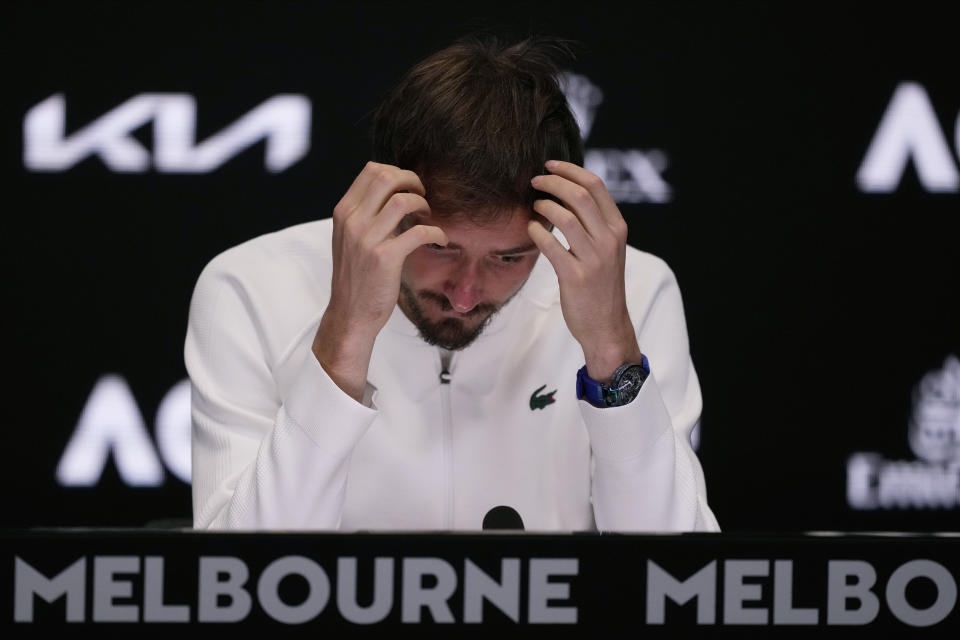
[[367, 261]]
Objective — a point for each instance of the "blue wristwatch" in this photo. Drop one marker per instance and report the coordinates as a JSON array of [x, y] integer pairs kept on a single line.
[[623, 388]]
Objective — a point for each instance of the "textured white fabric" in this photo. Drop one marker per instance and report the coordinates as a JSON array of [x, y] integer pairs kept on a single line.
[[277, 445]]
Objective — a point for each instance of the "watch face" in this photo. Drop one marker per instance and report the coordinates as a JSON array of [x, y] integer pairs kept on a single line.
[[628, 385]]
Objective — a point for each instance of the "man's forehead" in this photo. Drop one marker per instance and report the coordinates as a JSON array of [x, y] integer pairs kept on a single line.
[[507, 232], [518, 216]]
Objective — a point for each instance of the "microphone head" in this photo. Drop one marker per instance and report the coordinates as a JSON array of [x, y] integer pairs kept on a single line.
[[502, 517]]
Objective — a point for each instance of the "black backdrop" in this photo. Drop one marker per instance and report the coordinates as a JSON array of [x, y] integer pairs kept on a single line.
[[814, 308]]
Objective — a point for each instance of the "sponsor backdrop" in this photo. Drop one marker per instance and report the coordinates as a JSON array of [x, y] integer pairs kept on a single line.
[[797, 167]]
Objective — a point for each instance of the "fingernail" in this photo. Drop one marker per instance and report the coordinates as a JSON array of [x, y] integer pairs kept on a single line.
[[551, 164]]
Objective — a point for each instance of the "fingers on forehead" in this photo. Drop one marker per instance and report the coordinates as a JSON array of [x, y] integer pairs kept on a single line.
[[405, 203], [562, 187], [393, 178], [569, 170], [412, 182], [586, 179]]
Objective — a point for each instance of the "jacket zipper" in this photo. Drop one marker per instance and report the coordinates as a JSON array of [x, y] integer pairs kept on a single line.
[[447, 449]]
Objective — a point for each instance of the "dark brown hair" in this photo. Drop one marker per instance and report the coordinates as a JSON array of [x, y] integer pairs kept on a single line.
[[477, 120]]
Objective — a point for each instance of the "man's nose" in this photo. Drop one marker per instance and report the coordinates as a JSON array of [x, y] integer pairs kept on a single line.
[[464, 289]]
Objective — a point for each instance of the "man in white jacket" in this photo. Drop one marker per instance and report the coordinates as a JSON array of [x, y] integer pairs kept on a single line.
[[433, 350]]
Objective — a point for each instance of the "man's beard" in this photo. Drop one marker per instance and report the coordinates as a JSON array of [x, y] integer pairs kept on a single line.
[[449, 333]]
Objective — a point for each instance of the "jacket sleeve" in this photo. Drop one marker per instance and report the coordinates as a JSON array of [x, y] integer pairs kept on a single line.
[[264, 457], [646, 476]]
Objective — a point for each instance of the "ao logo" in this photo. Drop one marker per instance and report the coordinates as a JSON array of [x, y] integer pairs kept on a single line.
[[909, 130], [631, 175], [111, 425], [283, 121]]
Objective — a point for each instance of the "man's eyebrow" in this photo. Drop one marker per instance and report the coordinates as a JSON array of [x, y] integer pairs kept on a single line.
[[502, 252], [407, 221], [523, 249]]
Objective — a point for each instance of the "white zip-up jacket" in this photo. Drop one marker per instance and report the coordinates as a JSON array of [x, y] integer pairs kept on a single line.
[[277, 445]]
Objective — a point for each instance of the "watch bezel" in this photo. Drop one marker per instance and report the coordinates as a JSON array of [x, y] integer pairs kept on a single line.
[[611, 395], [617, 393]]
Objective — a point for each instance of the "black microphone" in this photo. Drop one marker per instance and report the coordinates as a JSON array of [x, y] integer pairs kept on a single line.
[[502, 517]]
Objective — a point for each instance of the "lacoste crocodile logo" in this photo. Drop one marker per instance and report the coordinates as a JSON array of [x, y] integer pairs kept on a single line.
[[541, 401]]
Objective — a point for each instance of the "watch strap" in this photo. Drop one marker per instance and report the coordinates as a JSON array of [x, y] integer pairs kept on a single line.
[[597, 393], [589, 388]]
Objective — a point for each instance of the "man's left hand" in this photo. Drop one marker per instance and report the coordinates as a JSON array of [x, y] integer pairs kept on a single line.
[[591, 272]]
